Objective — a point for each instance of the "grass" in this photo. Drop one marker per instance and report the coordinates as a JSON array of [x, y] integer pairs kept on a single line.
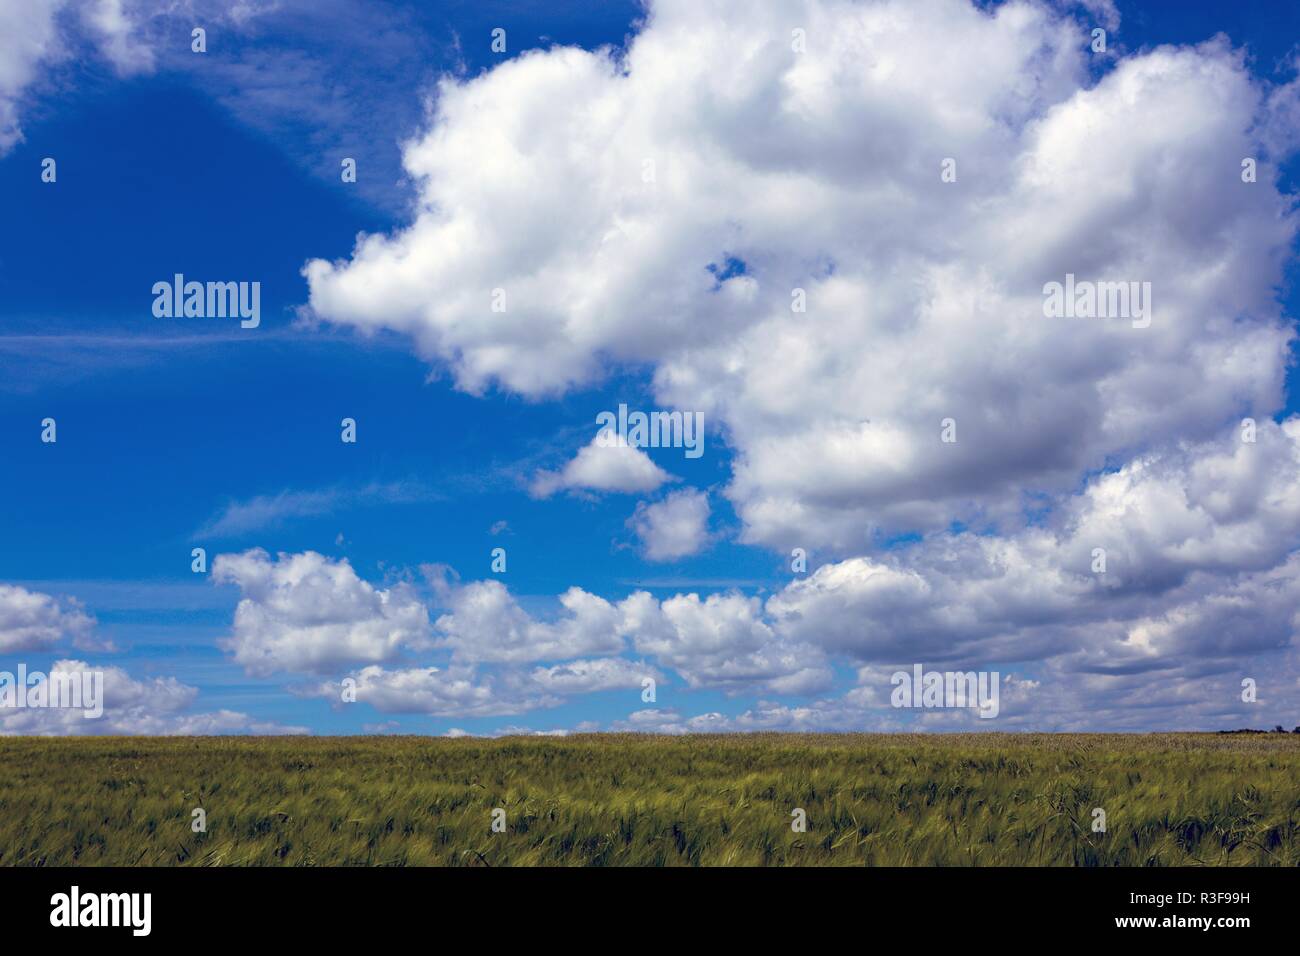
[[612, 800]]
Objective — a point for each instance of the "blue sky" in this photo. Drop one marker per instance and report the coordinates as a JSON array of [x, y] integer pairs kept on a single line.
[[192, 432]]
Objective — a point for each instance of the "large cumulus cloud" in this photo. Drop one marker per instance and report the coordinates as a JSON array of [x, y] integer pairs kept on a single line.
[[820, 171], [748, 203]]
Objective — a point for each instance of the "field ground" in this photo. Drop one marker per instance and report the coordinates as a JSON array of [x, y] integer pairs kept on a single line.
[[903, 799]]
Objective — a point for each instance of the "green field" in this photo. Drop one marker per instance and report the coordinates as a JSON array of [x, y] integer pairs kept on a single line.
[[880, 800]]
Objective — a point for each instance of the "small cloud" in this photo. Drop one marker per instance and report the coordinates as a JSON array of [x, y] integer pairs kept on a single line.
[[528, 732], [673, 528], [609, 463]]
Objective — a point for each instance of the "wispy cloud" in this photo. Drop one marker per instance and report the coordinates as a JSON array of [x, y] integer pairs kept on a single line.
[[267, 511], [32, 360], [343, 79]]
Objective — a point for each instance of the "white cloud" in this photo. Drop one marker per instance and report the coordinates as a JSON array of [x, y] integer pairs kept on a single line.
[[610, 464], [513, 731], [722, 641], [117, 32], [830, 715], [717, 642], [30, 620], [32, 40], [1178, 529], [592, 676], [1201, 585], [1105, 11], [155, 707], [510, 731], [456, 692], [27, 36], [820, 171], [1280, 126], [1064, 702], [308, 613], [676, 527], [486, 624], [462, 691]]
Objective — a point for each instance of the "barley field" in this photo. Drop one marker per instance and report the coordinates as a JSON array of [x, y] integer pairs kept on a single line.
[[617, 800]]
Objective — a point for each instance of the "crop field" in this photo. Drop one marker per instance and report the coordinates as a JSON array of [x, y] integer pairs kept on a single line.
[[614, 800]]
